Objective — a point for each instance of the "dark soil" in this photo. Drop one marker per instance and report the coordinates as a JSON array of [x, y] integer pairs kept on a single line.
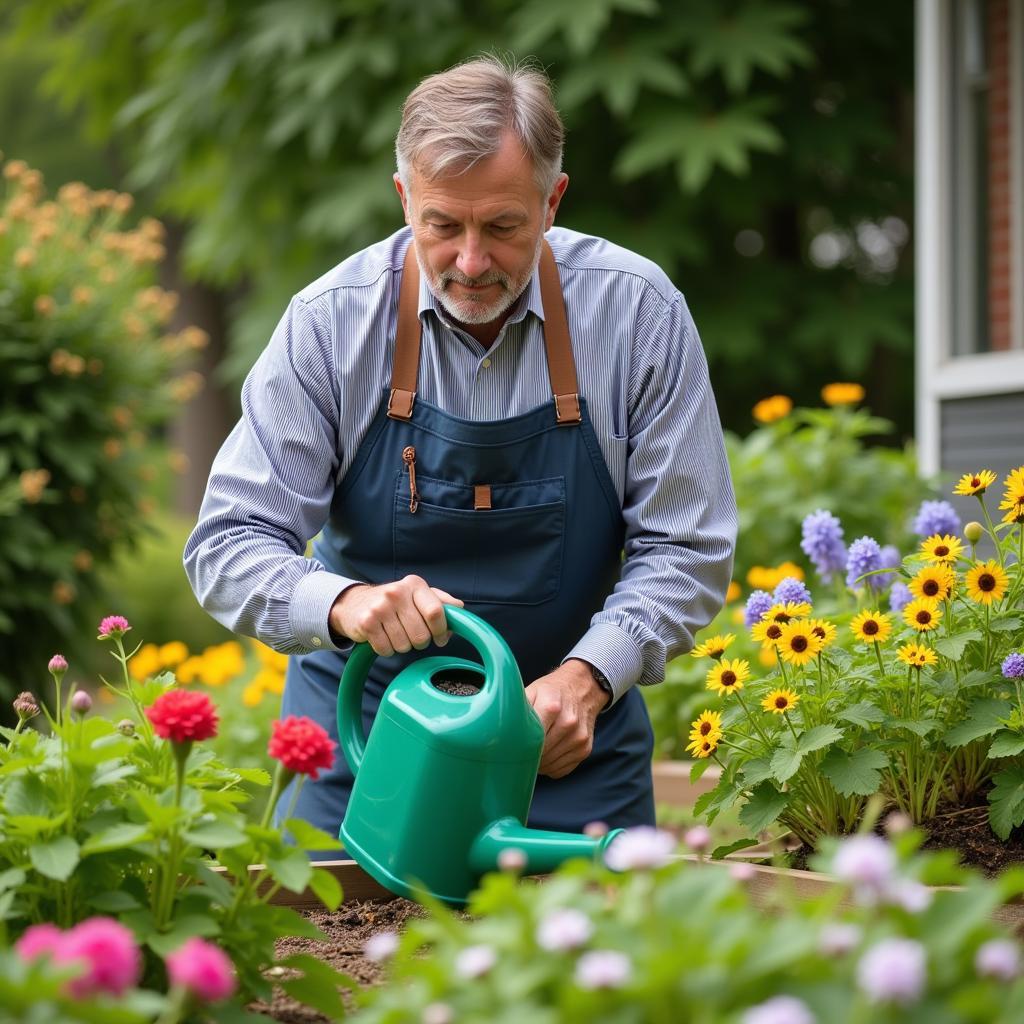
[[458, 683]]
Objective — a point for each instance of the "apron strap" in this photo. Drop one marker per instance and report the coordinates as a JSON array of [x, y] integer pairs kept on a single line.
[[557, 346]]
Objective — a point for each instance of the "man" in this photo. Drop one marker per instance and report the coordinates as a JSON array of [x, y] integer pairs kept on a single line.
[[480, 411]]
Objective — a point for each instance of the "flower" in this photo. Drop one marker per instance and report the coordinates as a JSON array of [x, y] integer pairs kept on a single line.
[[639, 848], [381, 947], [702, 746], [871, 627], [780, 701], [126, 727], [183, 716], [917, 655], [837, 938], [713, 648], [944, 548], [38, 940], [863, 557], [698, 838], [936, 517], [475, 961], [603, 968], [728, 676], [1012, 667], [889, 558], [974, 531], [1014, 513], [922, 614], [564, 929], [25, 706], [893, 971], [512, 859], [742, 871], [780, 1009], [773, 408], [112, 961], [824, 630], [912, 896], [935, 581], [790, 590], [762, 577], [999, 959], [707, 725], [733, 593], [986, 582], [822, 542], [1014, 484], [786, 612], [301, 745], [899, 597], [842, 393], [975, 483], [203, 969], [112, 627], [757, 605], [799, 643], [437, 1013], [768, 633], [866, 861], [81, 702], [58, 665]]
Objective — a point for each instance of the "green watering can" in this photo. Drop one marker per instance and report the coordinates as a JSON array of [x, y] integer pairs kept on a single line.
[[444, 782]]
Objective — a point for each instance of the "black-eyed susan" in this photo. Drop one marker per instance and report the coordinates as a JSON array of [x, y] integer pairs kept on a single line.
[[1014, 486], [917, 655], [780, 701], [767, 632], [824, 630], [935, 581], [975, 483], [708, 725], [798, 643], [703, 747], [986, 582], [787, 612], [871, 627], [728, 676], [713, 648], [942, 548], [1013, 511], [922, 614], [773, 408], [842, 393]]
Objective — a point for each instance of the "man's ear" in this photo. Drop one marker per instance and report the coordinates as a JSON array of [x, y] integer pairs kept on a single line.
[[403, 195], [551, 206]]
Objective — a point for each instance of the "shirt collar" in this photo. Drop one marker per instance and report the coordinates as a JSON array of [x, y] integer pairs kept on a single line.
[[528, 302]]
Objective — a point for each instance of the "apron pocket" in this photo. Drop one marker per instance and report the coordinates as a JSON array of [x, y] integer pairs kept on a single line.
[[508, 554]]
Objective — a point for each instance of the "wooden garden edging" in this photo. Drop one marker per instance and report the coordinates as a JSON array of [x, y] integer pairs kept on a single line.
[[672, 785], [356, 884]]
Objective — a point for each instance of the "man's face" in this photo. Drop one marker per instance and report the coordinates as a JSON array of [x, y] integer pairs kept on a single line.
[[478, 234]]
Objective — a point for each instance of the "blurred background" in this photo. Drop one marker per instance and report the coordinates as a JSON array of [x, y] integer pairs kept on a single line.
[[761, 151]]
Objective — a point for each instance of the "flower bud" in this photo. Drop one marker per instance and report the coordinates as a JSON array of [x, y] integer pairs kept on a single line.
[[974, 531], [595, 829], [126, 727], [58, 665], [26, 707], [698, 839], [81, 702], [512, 860]]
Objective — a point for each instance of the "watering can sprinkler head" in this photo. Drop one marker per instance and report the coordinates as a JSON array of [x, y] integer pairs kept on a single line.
[[444, 782]]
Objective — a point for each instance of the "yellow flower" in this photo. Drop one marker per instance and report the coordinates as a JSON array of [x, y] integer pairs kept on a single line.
[[944, 548], [766, 655], [702, 748], [146, 663], [798, 643], [786, 612], [975, 483], [780, 701], [986, 582], [189, 670], [824, 630], [917, 655], [768, 410], [728, 676], [761, 577], [172, 654], [871, 627], [767, 632], [1014, 484], [733, 593], [1014, 513], [713, 648], [707, 726], [842, 394], [269, 657], [935, 581], [922, 614], [252, 695], [270, 680]]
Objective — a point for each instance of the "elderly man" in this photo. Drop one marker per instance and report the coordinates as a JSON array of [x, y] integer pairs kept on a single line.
[[487, 411]]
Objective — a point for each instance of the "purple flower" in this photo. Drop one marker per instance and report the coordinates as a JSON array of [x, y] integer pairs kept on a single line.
[[438, 1013], [899, 597], [698, 838], [779, 1010], [757, 604], [791, 590], [475, 961], [563, 930], [999, 959], [81, 702], [912, 896], [823, 543], [889, 558], [864, 556], [936, 517], [867, 862], [1013, 666], [893, 971], [603, 968], [838, 938], [113, 626], [381, 947], [742, 871], [58, 665], [639, 848]]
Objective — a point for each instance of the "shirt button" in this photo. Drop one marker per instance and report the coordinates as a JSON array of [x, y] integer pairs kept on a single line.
[[486, 363], [315, 641]]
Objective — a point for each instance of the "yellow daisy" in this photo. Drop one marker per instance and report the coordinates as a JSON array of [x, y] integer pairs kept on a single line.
[[986, 582], [1014, 511], [733, 593], [780, 701], [842, 394], [975, 483], [708, 725], [728, 676], [1014, 486], [871, 627], [935, 581], [767, 632], [922, 614], [798, 643], [917, 655], [944, 548], [788, 611], [768, 410], [713, 648], [824, 630], [761, 577], [702, 748]]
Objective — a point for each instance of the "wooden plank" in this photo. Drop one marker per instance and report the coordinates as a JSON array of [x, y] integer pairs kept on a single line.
[[672, 785], [356, 884]]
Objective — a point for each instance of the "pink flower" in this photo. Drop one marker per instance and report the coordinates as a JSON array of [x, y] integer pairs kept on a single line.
[[182, 716], [475, 961], [564, 929], [58, 664], [893, 971], [838, 938], [203, 969], [301, 745], [37, 941], [25, 706], [603, 968], [997, 958], [868, 862], [81, 702], [639, 848], [698, 838], [113, 626], [108, 951], [381, 947], [512, 860], [741, 871], [779, 1010]]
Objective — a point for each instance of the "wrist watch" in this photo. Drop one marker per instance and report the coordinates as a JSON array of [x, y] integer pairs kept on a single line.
[[602, 680]]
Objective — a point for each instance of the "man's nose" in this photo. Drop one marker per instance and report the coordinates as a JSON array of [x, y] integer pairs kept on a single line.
[[473, 258]]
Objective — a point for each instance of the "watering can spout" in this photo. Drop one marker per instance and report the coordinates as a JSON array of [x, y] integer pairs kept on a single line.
[[544, 851]]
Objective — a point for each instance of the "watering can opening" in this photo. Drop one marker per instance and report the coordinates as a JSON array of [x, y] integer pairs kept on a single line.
[[458, 682]]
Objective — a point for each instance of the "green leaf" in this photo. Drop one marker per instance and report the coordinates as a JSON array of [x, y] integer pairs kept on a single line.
[[1006, 744], [257, 776], [55, 859], [292, 869], [308, 837], [114, 901], [327, 888], [858, 773], [215, 835], [318, 987], [952, 647], [818, 737], [756, 770], [721, 852], [984, 717], [1005, 624], [1006, 801], [117, 837], [698, 768], [183, 927], [918, 726], [766, 803], [713, 802], [786, 763], [864, 714]]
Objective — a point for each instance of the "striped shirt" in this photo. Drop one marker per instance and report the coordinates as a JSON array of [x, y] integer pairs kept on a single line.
[[309, 400]]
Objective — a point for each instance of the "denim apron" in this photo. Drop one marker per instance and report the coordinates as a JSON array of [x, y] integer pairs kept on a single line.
[[518, 518]]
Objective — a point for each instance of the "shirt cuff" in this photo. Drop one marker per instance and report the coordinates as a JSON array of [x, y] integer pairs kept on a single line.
[[310, 609], [612, 650]]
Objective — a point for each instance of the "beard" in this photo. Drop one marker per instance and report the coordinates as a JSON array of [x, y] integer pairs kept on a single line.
[[475, 309]]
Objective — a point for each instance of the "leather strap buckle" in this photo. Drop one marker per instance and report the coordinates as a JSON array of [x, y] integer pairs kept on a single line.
[[400, 404], [567, 409]]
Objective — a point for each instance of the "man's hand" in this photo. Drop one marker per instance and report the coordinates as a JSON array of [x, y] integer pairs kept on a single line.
[[393, 617], [567, 701]]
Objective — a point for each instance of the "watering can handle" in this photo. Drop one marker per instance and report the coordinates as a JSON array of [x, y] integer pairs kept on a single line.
[[498, 663]]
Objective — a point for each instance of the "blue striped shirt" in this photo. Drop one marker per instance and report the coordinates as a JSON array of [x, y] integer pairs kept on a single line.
[[309, 400]]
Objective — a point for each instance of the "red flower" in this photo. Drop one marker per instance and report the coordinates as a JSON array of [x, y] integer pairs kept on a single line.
[[182, 716], [301, 745]]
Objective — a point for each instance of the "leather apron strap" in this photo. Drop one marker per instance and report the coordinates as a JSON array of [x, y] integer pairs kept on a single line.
[[557, 346]]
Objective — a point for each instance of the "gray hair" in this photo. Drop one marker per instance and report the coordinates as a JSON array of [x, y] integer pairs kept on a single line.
[[457, 117]]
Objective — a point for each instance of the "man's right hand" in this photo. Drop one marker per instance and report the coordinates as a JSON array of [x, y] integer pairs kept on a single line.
[[393, 617]]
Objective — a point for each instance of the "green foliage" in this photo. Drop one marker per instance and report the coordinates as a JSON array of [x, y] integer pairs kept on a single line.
[[85, 374]]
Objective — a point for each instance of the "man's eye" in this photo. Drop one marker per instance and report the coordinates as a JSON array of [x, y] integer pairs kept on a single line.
[[503, 229], [442, 226]]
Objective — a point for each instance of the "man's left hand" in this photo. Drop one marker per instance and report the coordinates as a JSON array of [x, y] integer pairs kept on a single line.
[[567, 701]]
